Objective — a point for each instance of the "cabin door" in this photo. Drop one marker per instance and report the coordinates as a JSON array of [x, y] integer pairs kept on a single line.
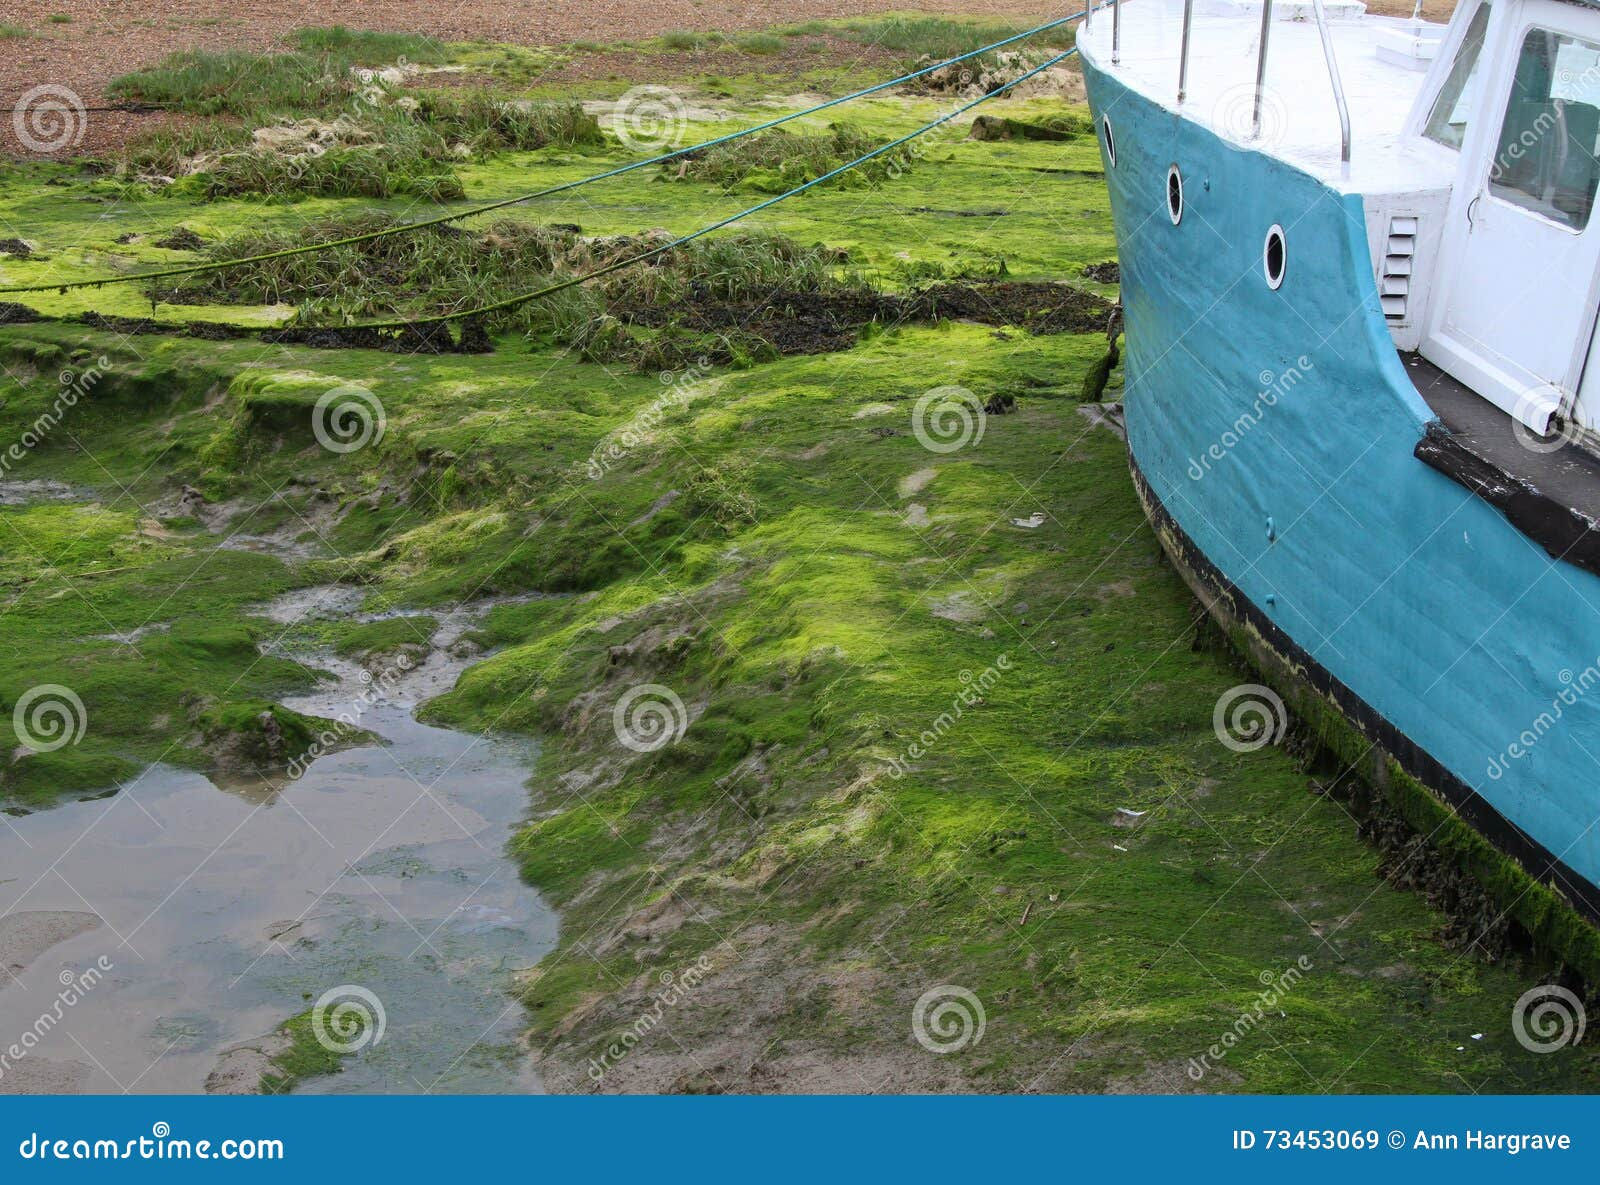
[[1514, 315]]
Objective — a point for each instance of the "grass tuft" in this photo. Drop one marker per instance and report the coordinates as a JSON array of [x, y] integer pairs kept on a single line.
[[235, 83], [485, 125], [314, 77], [686, 39], [760, 43]]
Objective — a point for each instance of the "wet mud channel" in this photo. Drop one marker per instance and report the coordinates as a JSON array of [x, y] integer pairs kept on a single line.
[[187, 919]]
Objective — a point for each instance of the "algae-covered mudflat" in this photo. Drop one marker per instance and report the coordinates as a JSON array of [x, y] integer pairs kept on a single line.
[[873, 739]]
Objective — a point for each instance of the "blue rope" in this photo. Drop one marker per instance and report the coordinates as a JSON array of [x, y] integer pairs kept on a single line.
[[193, 269]]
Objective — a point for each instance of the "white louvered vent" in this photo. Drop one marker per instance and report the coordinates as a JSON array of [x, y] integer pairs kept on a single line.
[[1394, 278]]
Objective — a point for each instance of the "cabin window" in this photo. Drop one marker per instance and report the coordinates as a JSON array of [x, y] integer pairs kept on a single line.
[[1174, 195], [1111, 142], [1447, 122], [1545, 158]]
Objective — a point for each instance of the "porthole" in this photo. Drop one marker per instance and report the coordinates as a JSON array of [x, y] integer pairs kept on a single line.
[[1275, 257], [1111, 141], [1174, 195]]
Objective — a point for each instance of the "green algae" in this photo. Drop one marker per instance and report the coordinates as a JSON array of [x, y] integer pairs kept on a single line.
[[820, 591], [305, 1056], [987, 213]]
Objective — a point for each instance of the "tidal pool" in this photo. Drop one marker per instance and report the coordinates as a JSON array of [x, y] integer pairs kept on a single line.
[[227, 907]]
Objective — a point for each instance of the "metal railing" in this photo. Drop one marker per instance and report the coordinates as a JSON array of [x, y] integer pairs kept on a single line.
[[1261, 69], [1333, 76], [1261, 64], [1183, 54]]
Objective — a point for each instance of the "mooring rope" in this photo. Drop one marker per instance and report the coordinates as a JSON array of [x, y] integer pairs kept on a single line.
[[369, 236], [572, 281]]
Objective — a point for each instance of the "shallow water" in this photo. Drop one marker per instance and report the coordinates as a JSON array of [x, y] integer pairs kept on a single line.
[[228, 908]]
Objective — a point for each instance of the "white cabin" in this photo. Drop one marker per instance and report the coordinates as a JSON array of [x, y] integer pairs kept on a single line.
[[1475, 148]]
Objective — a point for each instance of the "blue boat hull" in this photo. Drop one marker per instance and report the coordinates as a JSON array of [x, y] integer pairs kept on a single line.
[[1272, 436]]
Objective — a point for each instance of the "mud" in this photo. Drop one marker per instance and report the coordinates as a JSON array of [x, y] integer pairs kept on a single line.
[[27, 934], [816, 323], [437, 338], [469, 338], [1037, 305], [181, 239], [999, 127], [241, 1068], [37, 1075], [798, 322], [39, 489]]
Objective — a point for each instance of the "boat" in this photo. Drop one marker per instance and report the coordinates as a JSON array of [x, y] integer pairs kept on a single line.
[[1360, 278]]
